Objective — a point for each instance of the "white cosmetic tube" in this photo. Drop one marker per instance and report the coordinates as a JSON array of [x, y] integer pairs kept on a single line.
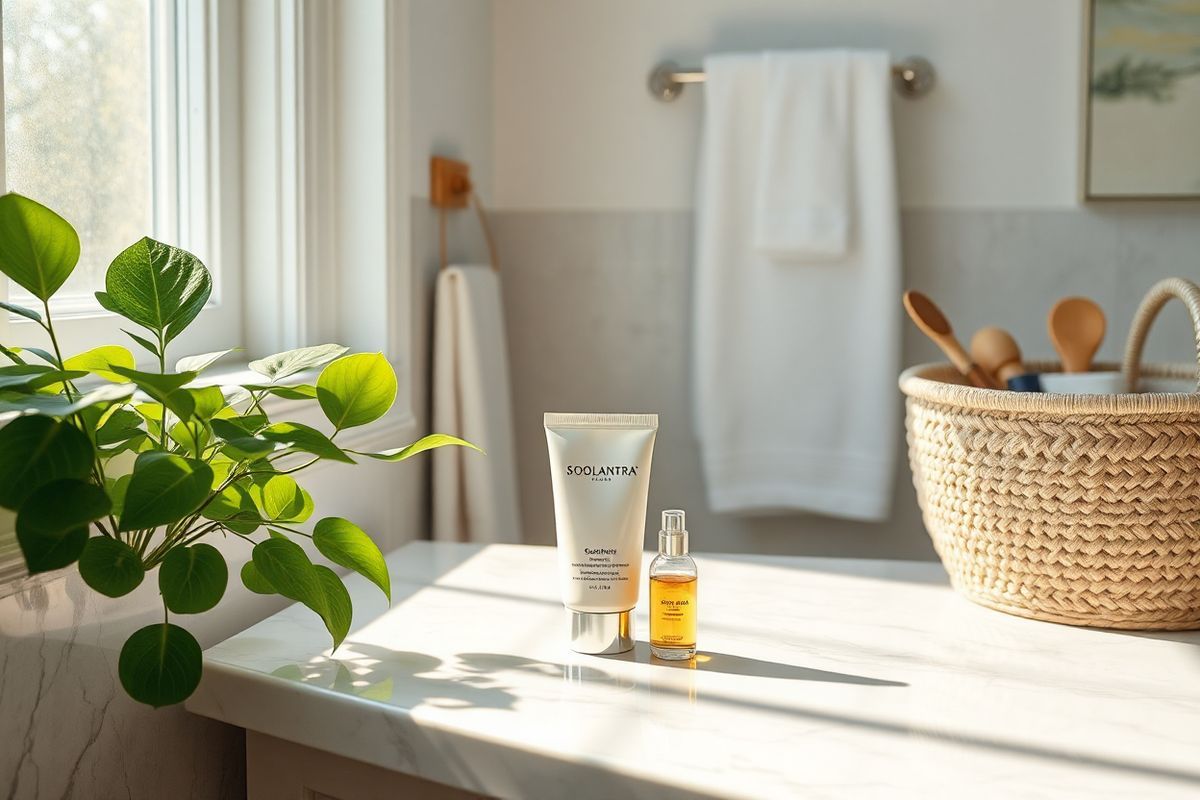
[[600, 470]]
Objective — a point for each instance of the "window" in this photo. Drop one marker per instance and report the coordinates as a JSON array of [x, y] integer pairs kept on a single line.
[[77, 113], [107, 112], [270, 134]]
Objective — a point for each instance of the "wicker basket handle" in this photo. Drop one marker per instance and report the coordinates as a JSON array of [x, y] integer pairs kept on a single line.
[[1152, 303]]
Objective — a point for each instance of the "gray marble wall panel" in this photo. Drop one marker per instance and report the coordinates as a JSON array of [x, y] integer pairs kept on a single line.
[[68, 729], [598, 307]]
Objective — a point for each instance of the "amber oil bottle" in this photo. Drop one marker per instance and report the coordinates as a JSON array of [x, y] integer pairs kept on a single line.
[[673, 592]]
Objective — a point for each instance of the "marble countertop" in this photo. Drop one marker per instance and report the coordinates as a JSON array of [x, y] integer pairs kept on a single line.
[[816, 677]]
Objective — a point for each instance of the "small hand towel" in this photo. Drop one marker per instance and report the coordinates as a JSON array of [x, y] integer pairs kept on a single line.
[[802, 204], [794, 369], [474, 497]]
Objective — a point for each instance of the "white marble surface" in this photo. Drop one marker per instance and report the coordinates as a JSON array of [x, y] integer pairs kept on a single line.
[[817, 677]]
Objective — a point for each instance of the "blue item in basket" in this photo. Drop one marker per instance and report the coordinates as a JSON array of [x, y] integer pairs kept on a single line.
[[1029, 382]]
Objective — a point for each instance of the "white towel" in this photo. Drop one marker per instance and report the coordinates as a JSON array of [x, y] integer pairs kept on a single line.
[[474, 497], [802, 198], [795, 368]]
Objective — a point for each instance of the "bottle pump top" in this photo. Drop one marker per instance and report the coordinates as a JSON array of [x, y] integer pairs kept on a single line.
[[673, 538]]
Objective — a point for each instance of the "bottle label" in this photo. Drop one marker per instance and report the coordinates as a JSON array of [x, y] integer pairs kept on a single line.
[[673, 611]]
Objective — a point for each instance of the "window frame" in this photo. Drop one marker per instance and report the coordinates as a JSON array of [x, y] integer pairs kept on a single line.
[[194, 198], [307, 128]]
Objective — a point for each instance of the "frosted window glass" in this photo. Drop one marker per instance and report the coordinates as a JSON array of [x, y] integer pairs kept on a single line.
[[77, 123]]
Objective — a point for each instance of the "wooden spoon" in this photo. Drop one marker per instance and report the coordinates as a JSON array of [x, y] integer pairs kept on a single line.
[[1076, 328], [933, 323], [995, 351]]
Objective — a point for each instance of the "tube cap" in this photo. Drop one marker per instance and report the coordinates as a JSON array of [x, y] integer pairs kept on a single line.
[[601, 634]]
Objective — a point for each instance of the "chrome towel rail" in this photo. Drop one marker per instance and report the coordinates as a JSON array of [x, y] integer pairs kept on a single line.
[[912, 77]]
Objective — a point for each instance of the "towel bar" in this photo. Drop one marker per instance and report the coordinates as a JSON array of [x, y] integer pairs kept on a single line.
[[912, 77]]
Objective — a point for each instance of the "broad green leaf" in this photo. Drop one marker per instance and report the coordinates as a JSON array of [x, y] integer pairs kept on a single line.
[[41, 353], [110, 566], [338, 609], [302, 437], [253, 580], [143, 341], [99, 360], [13, 405], [37, 450], [208, 400], [166, 389], [261, 468], [160, 665], [116, 493], [164, 488], [234, 395], [300, 391], [230, 428], [281, 499], [248, 423], [192, 579], [345, 544], [28, 313], [52, 525], [154, 383], [222, 466], [137, 444], [242, 446], [357, 389], [11, 355], [38, 248], [52, 382], [44, 355], [429, 442], [25, 369], [235, 508], [121, 425], [201, 362], [285, 566], [158, 286], [31, 377], [191, 436], [281, 365], [153, 414]]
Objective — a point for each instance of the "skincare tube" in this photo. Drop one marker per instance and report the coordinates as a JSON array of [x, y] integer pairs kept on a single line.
[[600, 470]]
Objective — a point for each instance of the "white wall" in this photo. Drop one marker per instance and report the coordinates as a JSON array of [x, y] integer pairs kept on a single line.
[[577, 129], [451, 102], [594, 178]]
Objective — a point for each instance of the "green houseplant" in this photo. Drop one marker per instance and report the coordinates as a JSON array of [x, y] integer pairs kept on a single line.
[[125, 472]]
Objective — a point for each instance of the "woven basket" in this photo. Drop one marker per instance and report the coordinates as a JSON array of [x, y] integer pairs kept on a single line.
[[1081, 509]]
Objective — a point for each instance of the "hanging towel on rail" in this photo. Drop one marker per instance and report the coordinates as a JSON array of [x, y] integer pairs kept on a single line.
[[474, 497], [802, 193], [795, 364]]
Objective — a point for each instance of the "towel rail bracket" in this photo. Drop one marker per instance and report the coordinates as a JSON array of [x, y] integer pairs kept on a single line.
[[913, 77]]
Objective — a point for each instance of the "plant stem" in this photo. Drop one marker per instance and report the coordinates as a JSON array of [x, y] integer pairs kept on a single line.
[[162, 370], [69, 391], [177, 539], [286, 528], [49, 329]]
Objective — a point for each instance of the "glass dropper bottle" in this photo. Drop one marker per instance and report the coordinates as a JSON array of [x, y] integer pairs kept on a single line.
[[673, 579]]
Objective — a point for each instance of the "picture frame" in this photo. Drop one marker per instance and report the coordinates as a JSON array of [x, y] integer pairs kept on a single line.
[[1140, 87]]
